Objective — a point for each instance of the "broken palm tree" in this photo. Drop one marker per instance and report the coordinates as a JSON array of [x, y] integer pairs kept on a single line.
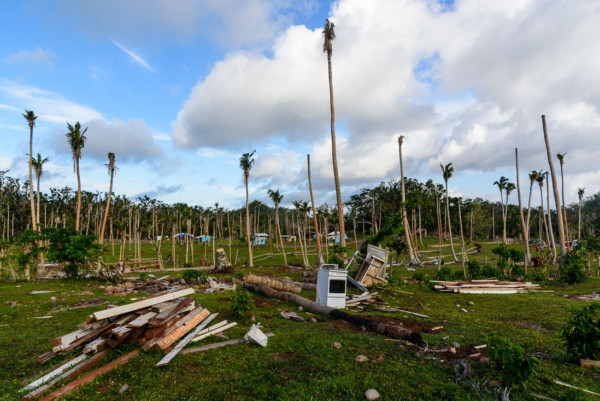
[[391, 330]]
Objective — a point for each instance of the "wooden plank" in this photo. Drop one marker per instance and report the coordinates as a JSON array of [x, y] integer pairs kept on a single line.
[[167, 358], [74, 385], [181, 306], [211, 328], [104, 314], [180, 331], [77, 370], [142, 320], [97, 345], [589, 363], [180, 321], [218, 345], [56, 372], [215, 331], [163, 307], [489, 291]]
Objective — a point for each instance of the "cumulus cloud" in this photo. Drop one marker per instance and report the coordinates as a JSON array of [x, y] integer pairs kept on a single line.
[[160, 191], [130, 141], [465, 84], [37, 55]]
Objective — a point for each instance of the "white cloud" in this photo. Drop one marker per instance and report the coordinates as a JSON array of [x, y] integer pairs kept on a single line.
[[47, 105], [467, 86], [135, 57], [37, 55], [131, 141]]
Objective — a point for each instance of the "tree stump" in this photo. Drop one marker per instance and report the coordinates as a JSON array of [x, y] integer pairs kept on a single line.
[[222, 264]]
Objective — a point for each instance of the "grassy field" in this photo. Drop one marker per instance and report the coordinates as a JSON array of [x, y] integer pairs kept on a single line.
[[300, 362]]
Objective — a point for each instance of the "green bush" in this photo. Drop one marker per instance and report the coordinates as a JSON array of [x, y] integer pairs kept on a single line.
[[581, 333], [573, 268], [509, 359], [419, 276], [490, 272], [474, 269], [144, 276], [241, 303], [537, 275], [70, 249], [445, 274]]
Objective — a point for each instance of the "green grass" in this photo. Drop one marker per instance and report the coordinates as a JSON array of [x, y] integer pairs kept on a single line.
[[299, 362]]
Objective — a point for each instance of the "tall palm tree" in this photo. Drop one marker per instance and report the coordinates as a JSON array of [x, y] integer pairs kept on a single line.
[[76, 138], [277, 197], [561, 159], [38, 164], [550, 220], [501, 183], [315, 219], [540, 180], [328, 37], [413, 258], [561, 231], [246, 164], [447, 172], [523, 225], [532, 178], [580, 193], [31, 117], [111, 172]]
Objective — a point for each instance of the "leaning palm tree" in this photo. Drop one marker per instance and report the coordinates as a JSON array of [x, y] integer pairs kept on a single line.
[[540, 180], [501, 183], [246, 164], [111, 172], [31, 117], [38, 164], [328, 37], [447, 172], [76, 138], [508, 189], [561, 230], [580, 193], [561, 159], [277, 197]]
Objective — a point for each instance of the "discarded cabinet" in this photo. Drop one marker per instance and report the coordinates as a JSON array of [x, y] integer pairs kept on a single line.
[[373, 267]]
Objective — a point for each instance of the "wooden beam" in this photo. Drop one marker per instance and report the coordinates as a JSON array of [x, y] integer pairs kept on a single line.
[[76, 384], [180, 331], [56, 372], [119, 310], [218, 345], [214, 331]]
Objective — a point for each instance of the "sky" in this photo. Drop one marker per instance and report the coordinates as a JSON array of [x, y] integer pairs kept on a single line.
[[180, 90]]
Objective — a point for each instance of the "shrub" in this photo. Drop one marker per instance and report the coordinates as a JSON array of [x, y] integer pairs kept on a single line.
[[489, 272], [70, 249], [419, 276], [537, 275], [445, 274], [581, 333], [510, 360], [144, 276], [241, 303], [458, 275], [474, 269], [573, 268]]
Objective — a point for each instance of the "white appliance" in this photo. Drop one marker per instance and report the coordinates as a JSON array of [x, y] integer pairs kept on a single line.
[[331, 286]]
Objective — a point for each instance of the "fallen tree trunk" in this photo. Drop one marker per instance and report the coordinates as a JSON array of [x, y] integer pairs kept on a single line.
[[304, 286], [390, 330], [269, 282]]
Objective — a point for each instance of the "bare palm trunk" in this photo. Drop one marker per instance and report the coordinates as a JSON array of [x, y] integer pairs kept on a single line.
[[41, 254], [413, 259], [579, 223], [450, 225], [315, 221], [250, 261], [112, 173], [462, 242], [564, 207], [550, 222], [31, 199], [78, 197], [439, 224], [279, 234], [561, 233], [543, 216], [525, 231], [336, 175]]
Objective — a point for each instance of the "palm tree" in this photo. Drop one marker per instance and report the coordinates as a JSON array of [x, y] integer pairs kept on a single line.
[[532, 178], [508, 189], [523, 225], [447, 172], [246, 164], [328, 37], [413, 258], [561, 159], [76, 139], [277, 197], [550, 220], [38, 164], [111, 172], [31, 117], [561, 231], [315, 219], [501, 183], [299, 206], [580, 193], [540, 180]]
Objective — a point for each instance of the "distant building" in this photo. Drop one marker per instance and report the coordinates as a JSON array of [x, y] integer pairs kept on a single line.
[[204, 238], [260, 239], [335, 236]]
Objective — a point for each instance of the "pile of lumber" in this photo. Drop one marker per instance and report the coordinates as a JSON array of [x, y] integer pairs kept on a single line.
[[155, 322], [484, 287], [150, 286]]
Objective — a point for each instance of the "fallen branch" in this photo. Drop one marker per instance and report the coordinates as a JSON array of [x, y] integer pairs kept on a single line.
[[278, 285], [389, 330]]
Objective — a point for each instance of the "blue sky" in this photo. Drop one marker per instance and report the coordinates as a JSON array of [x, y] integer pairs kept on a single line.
[[180, 90]]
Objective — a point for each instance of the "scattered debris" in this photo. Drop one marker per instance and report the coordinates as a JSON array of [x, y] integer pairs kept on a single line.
[[289, 315], [576, 388], [594, 296], [217, 287], [275, 284], [483, 287], [336, 345], [361, 359], [377, 360], [88, 303], [256, 335], [219, 345], [123, 388], [589, 363], [150, 287], [373, 268], [39, 292]]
